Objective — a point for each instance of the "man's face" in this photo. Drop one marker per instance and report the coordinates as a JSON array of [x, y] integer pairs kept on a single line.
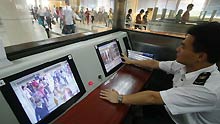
[[185, 54]]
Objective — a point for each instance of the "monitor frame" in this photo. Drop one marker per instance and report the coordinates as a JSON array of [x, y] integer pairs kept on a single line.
[[126, 42], [15, 104], [100, 58]]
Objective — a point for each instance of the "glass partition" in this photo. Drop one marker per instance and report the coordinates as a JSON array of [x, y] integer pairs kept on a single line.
[[37, 20], [162, 15], [23, 21]]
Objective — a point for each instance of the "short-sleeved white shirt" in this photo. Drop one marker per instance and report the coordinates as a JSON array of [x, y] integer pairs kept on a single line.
[[188, 103], [68, 13]]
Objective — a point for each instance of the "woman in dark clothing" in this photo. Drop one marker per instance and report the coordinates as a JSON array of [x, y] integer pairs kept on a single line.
[[138, 19], [128, 18], [145, 19]]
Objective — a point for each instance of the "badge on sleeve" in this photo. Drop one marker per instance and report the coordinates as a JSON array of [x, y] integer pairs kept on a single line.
[[201, 79]]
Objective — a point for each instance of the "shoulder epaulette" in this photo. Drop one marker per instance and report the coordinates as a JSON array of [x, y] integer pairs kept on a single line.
[[201, 79]]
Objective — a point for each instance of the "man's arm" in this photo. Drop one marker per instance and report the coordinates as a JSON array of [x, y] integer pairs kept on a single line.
[[63, 14], [76, 17], [144, 97], [140, 98], [153, 64]]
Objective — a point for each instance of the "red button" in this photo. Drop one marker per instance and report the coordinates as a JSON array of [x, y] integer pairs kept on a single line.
[[90, 83]]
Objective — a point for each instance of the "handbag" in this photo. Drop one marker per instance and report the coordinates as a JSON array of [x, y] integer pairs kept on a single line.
[[40, 21], [53, 21]]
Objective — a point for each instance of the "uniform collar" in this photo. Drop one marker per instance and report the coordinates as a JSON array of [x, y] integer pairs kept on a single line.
[[196, 73]]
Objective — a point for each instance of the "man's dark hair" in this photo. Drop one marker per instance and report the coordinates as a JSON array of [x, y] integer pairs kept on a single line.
[[130, 10], [142, 11], [207, 39]]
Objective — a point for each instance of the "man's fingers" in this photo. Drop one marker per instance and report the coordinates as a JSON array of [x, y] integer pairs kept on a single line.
[[103, 94], [103, 97]]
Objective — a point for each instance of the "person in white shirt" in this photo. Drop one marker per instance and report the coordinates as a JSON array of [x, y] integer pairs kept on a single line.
[[68, 17], [41, 14], [195, 96]]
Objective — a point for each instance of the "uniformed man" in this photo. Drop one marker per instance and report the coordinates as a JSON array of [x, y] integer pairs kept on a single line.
[[195, 96]]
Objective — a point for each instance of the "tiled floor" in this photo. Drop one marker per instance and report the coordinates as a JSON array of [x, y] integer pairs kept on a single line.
[[40, 33]]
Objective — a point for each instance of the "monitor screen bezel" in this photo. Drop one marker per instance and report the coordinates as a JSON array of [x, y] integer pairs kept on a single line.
[[15, 104], [100, 58], [126, 42]]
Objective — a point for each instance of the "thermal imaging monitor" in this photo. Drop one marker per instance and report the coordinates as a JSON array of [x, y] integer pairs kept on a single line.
[[40, 94], [109, 54]]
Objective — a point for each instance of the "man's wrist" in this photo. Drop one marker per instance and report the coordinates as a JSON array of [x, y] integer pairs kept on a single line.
[[120, 98]]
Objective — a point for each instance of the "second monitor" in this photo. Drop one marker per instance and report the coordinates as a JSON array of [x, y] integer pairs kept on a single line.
[[109, 56]]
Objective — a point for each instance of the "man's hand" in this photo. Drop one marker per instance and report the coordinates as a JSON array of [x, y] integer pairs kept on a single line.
[[152, 64], [126, 59], [109, 95]]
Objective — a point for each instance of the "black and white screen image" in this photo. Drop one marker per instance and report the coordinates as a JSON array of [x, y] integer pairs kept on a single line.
[[110, 55], [43, 91]]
